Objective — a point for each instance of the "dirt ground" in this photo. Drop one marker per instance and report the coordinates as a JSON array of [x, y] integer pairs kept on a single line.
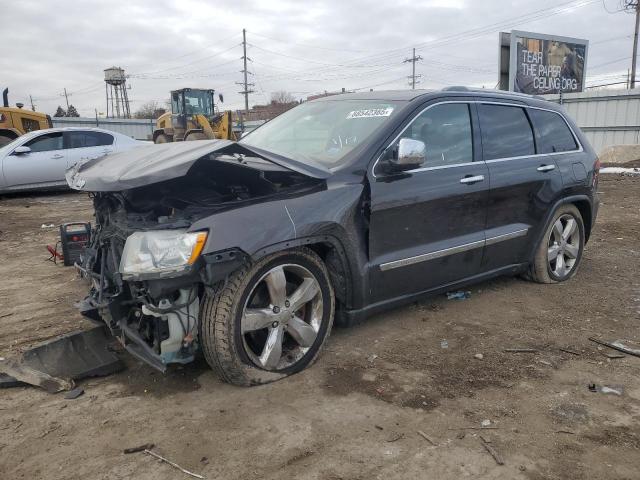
[[355, 414]]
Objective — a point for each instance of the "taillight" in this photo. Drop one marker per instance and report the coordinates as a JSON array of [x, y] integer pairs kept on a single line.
[[596, 172]]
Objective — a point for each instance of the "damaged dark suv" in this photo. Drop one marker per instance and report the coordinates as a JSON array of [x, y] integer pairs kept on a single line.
[[341, 207]]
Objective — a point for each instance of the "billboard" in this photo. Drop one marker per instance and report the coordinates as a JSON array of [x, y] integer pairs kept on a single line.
[[539, 64]]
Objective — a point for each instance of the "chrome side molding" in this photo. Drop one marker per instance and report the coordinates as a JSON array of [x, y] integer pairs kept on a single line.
[[452, 250]]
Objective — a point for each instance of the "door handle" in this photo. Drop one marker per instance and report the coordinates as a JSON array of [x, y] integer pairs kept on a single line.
[[57, 155], [472, 179], [546, 168]]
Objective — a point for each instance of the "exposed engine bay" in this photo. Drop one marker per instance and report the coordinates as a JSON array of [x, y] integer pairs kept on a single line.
[[155, 312]]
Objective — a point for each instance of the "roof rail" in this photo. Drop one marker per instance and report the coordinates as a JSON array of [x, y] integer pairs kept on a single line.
[[460, 88]]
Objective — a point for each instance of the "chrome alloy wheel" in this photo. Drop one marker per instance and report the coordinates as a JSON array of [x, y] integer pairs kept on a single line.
[[564, 245], [281, 317]]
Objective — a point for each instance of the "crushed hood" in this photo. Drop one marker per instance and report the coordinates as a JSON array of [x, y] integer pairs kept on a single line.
[[155, 163]]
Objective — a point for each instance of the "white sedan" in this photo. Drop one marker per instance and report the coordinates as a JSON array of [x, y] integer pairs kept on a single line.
[[39, 159]]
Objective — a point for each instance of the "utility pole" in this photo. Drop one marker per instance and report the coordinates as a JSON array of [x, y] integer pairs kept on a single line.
[[245, 72], [631, 6], [635, 46], [33, 107], [413, 76], [66, 97]]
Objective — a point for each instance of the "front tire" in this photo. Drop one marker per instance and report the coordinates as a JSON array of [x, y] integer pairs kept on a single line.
[[268, 320], [560, 250], [162, 138]]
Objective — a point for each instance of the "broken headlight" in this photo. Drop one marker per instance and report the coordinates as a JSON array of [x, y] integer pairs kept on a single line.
[[162, 252]]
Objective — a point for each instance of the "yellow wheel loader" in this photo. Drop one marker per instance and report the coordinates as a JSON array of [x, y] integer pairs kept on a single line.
[[17, 121], [193, 117]]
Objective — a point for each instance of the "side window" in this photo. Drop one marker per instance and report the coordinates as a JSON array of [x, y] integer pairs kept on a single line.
[[29, 124], [506, 132], [446, 131], [45, 143], [88, 139], [553, 133]]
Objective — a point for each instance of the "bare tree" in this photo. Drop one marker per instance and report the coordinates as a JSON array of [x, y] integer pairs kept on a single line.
[[150, 109], [282, 97]]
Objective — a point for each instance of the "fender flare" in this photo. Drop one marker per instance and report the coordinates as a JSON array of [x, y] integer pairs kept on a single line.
[[345, 287], [572, 199]]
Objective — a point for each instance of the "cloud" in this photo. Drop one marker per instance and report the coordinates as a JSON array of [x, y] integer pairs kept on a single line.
[[301, 47]]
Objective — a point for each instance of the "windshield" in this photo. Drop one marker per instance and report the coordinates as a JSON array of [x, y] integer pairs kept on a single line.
[[195, 101], [323, 132]]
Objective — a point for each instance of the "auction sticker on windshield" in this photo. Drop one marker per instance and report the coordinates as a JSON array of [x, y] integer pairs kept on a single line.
[[371, 112]]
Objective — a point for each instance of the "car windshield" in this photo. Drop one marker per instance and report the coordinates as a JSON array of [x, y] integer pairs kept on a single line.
[[323, 132]]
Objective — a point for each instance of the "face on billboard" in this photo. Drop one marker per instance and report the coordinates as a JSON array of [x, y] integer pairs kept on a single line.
[[548, 66]]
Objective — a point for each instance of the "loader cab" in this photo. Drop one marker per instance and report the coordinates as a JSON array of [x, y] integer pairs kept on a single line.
[[187, 102]]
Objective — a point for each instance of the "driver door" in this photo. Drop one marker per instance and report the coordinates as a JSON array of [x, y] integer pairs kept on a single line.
[[45, 164], [427, 224]]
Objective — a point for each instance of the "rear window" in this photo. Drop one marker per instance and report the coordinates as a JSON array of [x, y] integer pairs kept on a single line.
[[88, 139], [553, 133], [506, 132]]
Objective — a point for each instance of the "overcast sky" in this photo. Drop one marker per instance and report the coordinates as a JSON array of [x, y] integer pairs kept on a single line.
[[302, 47]]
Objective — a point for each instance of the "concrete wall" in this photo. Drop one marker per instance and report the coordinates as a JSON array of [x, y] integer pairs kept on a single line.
[[140, 129], [607, 117], [132, 127]]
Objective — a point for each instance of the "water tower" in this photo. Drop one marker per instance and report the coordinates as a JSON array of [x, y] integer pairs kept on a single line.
[[116, 91]]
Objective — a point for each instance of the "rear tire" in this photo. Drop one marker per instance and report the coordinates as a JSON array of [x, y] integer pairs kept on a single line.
[[195, 136], [242, 319], [4, 140], [559, 252], [162, 138]]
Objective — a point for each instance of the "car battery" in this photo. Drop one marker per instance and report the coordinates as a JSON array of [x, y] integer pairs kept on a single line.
[[74, 237]]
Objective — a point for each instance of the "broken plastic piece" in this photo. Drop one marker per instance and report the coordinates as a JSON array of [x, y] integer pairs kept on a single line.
[[459, 295]]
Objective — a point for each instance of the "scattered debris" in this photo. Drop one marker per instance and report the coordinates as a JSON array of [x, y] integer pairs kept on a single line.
[[545, 362], [479, 356], [174, 465], [394, 437], [204, 460], [378, 427], [572, 352], [73, 394], [485, 423], [7, 381], [459, 295], [613, 355], [569, 432], [613, 389], [520, 350], [618, 345], [492, 451], [64, 359], [444, 344], [52, 428], [473, 428], [371, 358], [26, 374], [141, 448], [426, 437], [461, 435], [47, 225]]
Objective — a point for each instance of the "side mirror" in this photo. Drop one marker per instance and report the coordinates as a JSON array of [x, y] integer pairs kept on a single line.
[[410, 154], [22, 150]]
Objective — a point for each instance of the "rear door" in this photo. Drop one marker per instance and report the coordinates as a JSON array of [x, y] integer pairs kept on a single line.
[[427, 224], [45, 164], [524, 184], [83, 145]]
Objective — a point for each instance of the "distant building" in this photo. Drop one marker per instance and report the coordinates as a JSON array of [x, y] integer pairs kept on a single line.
[[265, 112]]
